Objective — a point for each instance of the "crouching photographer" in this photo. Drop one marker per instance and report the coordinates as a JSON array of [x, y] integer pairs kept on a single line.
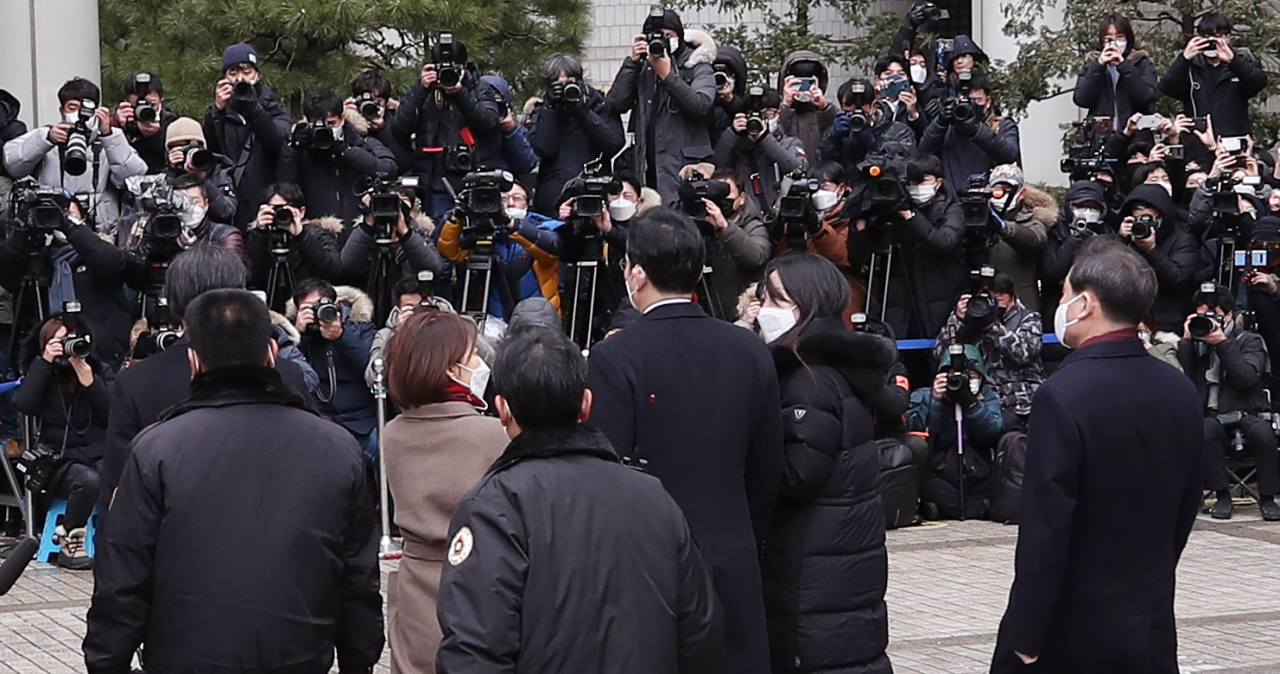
[[958, 477], [285, 248], [64, 391], [1228, 365], [337, 333]]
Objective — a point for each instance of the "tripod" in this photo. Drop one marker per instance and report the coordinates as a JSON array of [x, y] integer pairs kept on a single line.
[[586, 272], [479, 264], [387, 548], [709, 294], [879, 273], [379, 283], [960, 454], [280, 276], [34, 289]]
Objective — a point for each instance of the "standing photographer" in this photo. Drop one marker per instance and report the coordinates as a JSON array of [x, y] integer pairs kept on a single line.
[[82, 154], [507, 149], [865, 126], [806, 112], [1213, 79], [738, 246], [371, 109], [968, 136], [441, 118], [1025, 214], [409, 245], [330, 161], [189, 154], [1228, 365], [1151, 225], [1084, 216], [671, 95], [755, 146], [310, 247], [1119, 80], [573, 126], [145, 119], [246, 125]]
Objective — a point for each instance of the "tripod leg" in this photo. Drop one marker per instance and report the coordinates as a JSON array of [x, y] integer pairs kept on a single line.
[[577, 303], [591, 306]]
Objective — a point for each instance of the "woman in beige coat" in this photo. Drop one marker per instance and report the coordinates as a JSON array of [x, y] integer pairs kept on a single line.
[[436, 451]]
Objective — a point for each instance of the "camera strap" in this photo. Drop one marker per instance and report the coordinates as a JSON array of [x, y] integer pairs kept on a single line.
[[242, 162]]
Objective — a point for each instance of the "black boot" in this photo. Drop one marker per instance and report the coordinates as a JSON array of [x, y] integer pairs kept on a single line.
[[1270, 510], [1222, 509]]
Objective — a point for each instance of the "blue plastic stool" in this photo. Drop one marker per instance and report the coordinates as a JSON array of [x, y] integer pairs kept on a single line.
[[48, 548]]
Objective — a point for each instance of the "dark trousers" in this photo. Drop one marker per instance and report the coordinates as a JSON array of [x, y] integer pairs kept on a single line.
[[79, 485], [1259, 440]]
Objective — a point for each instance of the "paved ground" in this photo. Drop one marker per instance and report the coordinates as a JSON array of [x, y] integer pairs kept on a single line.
[[948, 585]]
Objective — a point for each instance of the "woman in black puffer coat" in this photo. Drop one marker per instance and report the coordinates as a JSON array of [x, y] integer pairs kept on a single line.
[[825, 567]]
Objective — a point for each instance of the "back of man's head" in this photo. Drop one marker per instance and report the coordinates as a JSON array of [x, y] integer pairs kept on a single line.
[[229, 328], [668, 246], [541, 377], [198, 270], [1123, 282]]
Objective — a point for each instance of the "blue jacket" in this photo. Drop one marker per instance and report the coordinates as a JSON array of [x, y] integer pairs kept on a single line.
[[343, 395], [983, 422], [507, 150]]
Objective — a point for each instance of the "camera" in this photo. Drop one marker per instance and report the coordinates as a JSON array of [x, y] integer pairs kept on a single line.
[[1223, 194], [243, 96], [796, 219], [697, 188], [983, 310], [756, 124], [369, 107], [858, 121], [723, 76], [385, 205], [448, 71], [1202, 324], [327, 311], [958, 390], [163, 333], [656, 39], [317, 137], [592, 194], [1087, 154], [976, 204], [281, 217], [931, 13], [482, 192], [74, 345], [201, 160], [571, 92], [75, 152], [1144, 226], [37, 464], [460, 159], [859, 321], [164, 208], [37, 209], [145, 112]]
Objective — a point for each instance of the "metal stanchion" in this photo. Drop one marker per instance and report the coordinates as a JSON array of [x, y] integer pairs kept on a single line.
[[387, 548]]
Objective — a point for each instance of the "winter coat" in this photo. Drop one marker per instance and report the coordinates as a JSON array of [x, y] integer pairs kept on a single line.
[[1131, 90], [884, 138], [528, 258], [1017, 252], [825, 566], [1175, 259], [669, 117], [1061, 246], [410, 255], [1011, 351], [435, 454], [140, 394], [1221, 91], [505, 150], [724, 111], [738, 255], [111, 161], [1093, 592], [802, 120], [343, 395], [983, 423], [432, 122], [972, 148], [697, 398], [152, 149], [218, 190], [333, 185], [566, 140], [252, 139], [73, 421], [1241, 379], [239, 477], [314, 253], [773, 156], [639, 602]]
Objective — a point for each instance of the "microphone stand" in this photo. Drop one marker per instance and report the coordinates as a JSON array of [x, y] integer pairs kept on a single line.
[[387, 548]]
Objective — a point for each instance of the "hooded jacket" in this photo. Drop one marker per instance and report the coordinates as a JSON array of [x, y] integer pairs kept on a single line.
[[801, 120], [1175, 258], [770, 158], [972, 148], [1017, 252], [566, 139], [252, 139], [736, 66], [670, 118], [505, 150], [314, 253], [343, 395], [1132, 89], [404, 157], [1222, 91], [1062, 243], [824, 564], [333, 184], [884, 138]]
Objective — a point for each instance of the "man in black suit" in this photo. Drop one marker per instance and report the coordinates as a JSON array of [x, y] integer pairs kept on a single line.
[[1113, 483], [150, 386], [694, 401]]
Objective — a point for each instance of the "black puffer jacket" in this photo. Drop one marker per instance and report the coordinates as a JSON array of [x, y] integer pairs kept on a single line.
[[1134, 89], [251, 138], [824, 566]]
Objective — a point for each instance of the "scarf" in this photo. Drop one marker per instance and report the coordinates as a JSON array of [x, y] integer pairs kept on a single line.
[[62, 287]]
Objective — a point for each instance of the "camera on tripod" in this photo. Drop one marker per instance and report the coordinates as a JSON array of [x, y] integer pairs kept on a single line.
[[448, 69], [165, 208], [886, 190], [797, 220], [75, 152], [976, 204], [37, 209], [385, 204], [1224, 194], [591, 191], [74, 344], [369, 107], [1087, 153], [317, 137], [480, 207], [656, 39]]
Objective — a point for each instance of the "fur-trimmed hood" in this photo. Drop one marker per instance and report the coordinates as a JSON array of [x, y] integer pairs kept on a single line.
[[280, 321], [649, 198], [704, 48], [354, 118], [1043, 206], [863, 359], [360, 304]]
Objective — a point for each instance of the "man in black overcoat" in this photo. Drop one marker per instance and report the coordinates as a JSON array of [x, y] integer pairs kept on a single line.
[[1113, 483], [697, 399]]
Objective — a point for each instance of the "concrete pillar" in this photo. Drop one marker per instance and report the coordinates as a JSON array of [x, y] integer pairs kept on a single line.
[[1041, 130], [47, 42]]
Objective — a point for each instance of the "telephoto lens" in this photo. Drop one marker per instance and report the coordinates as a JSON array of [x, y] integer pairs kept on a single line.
[[281, 217], [1201, 325], [76, 346], [145, 112], [573, 92], [327, 312]]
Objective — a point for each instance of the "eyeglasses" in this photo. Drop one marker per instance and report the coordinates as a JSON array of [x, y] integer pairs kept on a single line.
[[515, 200]]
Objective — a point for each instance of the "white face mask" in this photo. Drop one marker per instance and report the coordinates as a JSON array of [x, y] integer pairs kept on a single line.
[[919, 73], [1007, 204], [1091, 216], [772, 124], [824, 199], [516, 214], [1121, 45], [1060, 322], [631, 293], [1168, 187], [922, 194], [774, 322], [70, 117], [193, 216], [479, 379], [673, 44], [622, 209], [975, 385], [337, 132]]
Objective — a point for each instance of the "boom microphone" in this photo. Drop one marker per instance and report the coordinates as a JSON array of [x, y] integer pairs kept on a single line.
[[17, 562]]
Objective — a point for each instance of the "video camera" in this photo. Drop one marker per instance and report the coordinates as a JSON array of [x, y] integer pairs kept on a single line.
[[1087, 154], [36, 209], [75, 152], [448, 70], [1222, 191], [165, 209], [74, 344], [797, 220], [979, 221], [692, 193], [479, 206], [656, 40], [318, 138], [592, 190], [385, 205]]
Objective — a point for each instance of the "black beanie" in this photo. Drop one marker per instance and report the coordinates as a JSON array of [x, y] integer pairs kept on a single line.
[[670, 20]]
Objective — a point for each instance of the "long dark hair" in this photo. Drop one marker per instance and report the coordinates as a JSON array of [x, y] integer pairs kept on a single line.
[[1122, 25], [814, 283]]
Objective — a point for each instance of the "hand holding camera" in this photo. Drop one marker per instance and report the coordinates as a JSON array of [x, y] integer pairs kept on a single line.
[[283, 217], [124, 114], [1204, 327], [639, 48], [222, 94], [1140, 230], [58, 133], [1195, 47], [715, 216], [1225, 54]]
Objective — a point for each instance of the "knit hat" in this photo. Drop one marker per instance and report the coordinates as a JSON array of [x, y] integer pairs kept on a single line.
[[239, 53], [670, 20], [1267, 228], [183, 130]]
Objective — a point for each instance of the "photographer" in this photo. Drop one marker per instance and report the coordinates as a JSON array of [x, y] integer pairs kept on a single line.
[[806, 113], [65, 393], [731, 88], [671, 96], [568, 134], [755, 147], [865, 125], [1119, 80], [144, 118], [968, 136], [1150, 224], [932, 411], [310, 247], [1214, 211], [370, 111], [1084, 216], [508, 149], [82, 154], [336, 337], [898, 94], [1213, 79], [330, 161], [411, 295], [246, 125], [196, 228], [1025, 215], [1229, 366], [189, 154], [440, 119], [738, 246], [410, 245], [1009, 340], [526, 254]]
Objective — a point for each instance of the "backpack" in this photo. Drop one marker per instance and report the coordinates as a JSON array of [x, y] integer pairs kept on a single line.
[[1011, 462]]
